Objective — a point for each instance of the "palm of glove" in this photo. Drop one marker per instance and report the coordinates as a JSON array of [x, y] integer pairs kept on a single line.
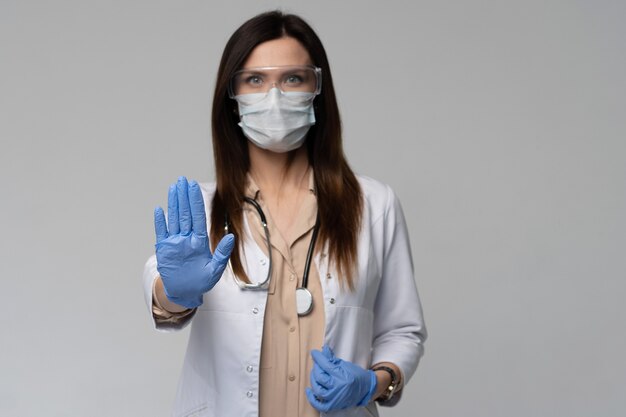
[[337, 384], [184, 263], [184, 259]]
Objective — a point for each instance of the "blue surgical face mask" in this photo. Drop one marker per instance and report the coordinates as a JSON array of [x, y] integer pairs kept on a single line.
[[277, 121]]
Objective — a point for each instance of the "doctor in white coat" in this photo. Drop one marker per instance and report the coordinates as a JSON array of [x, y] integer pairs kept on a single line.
[[307, 304]]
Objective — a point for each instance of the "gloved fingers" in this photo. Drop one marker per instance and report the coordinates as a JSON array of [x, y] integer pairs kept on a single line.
[[315, 402], [172, 211], [320, 377], [312, 379], [184, 211], [321, 392], [160, 227], [323, 362], [198, 215]]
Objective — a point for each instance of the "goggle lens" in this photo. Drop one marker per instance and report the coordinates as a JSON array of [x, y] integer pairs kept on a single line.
[[304, 79]]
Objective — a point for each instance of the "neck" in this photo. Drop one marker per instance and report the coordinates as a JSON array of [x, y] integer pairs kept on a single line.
[[275, 173]]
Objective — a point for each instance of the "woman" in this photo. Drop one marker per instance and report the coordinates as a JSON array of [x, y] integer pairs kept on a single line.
[[308, 303]]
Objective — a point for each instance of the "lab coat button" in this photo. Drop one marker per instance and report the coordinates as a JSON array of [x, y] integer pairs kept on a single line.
[[249, 394], [263, 262], [332, 301], [249, 368], [255, 310], [328, 276]]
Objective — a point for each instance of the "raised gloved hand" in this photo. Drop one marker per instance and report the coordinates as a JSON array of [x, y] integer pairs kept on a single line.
[[184, 260], [337, 384]]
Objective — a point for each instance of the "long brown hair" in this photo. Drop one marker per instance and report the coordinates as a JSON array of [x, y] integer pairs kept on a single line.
[[339, 197]]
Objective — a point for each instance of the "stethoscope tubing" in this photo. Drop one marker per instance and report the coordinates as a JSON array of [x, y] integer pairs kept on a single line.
[[309, 255], [264, 285]]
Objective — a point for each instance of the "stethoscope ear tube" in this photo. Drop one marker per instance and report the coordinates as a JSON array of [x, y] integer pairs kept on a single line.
[[263, 285], [304, 298], [309, 255]]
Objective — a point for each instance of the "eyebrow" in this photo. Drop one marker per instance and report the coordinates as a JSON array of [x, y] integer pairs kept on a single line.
[[262, 71]]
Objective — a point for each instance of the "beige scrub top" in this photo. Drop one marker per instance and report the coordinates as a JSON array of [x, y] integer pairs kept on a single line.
[[286, 361]]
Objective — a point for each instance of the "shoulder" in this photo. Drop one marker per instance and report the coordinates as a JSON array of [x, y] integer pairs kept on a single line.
[[208, 188], [373, 188], [208, 191], [378, 197]]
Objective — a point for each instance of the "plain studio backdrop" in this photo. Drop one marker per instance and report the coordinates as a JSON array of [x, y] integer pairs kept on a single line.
[[500, 124]]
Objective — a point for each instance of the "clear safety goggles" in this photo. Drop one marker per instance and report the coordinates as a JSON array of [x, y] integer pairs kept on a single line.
[[289, 79]]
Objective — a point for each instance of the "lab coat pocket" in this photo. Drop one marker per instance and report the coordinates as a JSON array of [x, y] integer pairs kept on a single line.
[[222, 344], [200, 411]]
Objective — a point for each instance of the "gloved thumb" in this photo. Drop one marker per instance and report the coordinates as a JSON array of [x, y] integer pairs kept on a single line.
[[224, 249], [327, 351]]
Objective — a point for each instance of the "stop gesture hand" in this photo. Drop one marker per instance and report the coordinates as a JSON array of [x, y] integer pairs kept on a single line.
[[187, 267]]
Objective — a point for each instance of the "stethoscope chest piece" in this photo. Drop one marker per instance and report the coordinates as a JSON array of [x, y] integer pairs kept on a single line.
[[304, 301]]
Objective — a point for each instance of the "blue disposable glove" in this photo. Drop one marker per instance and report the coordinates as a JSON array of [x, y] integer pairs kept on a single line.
[[337, 384], [184, 259]]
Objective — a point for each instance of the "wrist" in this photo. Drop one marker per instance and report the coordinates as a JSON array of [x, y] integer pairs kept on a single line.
[[162, 300], [383, 381], [388, 383]]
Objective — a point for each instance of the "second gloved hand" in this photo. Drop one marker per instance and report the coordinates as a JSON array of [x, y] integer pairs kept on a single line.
[[184, 260], [337, 384]]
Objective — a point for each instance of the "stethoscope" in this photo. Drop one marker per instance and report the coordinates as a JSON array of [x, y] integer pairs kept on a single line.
[[304, 299]]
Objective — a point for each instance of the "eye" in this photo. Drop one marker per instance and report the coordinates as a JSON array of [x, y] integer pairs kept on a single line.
[[253, 80], [293, 79]]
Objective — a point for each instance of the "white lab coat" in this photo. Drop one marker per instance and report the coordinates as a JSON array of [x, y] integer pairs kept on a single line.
[[381, 321]]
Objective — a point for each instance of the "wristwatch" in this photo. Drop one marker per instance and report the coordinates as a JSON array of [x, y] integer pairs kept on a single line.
[[391, 389]]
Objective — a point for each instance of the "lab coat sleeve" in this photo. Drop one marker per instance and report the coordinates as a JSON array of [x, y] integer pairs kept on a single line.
[[150, 274], [399, 330]]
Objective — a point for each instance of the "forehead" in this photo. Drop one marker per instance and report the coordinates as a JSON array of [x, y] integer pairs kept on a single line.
[[278, 52]]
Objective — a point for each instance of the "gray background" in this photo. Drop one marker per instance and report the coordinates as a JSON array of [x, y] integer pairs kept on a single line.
[[500, 125]]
